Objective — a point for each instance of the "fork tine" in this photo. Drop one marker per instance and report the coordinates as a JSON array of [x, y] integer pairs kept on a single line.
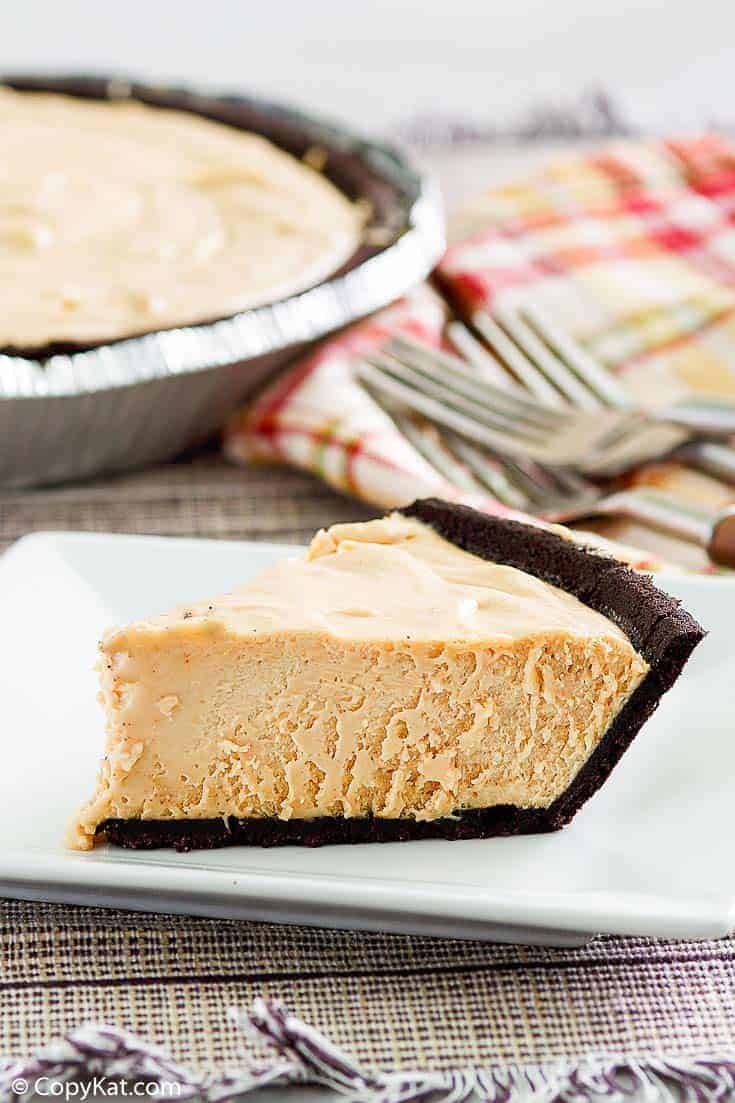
[[552, 367], [590, 371], [530, 482], [427, 440], [475, 353], [535, 482], [451, 372], [572, 494], [493, 417], [446, 453], [491, 470], [574, 491], [374, 377], [711, 457], [527, 372]]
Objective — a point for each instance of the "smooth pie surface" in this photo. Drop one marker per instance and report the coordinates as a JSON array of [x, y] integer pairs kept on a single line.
[[386, 580], [119, 218], [386, 673]]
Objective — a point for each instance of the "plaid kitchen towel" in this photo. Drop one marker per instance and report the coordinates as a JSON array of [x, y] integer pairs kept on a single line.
[[631, 250], [318, 418]]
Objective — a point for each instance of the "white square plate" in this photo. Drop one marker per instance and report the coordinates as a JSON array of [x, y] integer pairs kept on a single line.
[[648, 855]]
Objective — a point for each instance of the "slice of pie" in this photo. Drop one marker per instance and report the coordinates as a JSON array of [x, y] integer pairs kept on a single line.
[[437, 673]]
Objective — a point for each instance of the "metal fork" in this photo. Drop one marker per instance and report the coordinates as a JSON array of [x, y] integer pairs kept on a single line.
[[559, 495], [529, 335], [542, 353], [475, 398]]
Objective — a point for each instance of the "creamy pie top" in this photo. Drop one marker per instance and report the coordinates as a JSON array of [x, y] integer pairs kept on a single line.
[[388, 579], [119, 218]]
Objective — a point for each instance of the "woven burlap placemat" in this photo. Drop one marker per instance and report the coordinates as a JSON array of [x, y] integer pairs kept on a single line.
[[393, 1001]]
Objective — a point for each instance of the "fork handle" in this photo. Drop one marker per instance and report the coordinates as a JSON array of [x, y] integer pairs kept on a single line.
[[715, 532], [706, 455], [710, 421], [721, 547]]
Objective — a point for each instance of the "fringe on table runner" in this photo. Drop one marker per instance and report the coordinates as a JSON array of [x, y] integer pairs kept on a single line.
[[103, 1055]]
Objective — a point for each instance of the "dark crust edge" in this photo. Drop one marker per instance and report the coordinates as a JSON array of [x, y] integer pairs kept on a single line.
[[659, 629], [282, 125], [654, 622], [185, 835]]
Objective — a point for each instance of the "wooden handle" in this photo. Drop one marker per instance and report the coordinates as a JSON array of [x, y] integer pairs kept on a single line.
[[721, 546]]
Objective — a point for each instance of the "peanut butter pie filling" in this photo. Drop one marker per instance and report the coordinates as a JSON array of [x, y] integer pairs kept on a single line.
[[438, 672], [118, 218]]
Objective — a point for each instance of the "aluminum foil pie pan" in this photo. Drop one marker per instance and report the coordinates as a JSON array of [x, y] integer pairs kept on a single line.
[[69, 412]]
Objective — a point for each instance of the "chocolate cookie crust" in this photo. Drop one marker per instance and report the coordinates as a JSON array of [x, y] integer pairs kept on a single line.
[[658, 628], [184, 835]]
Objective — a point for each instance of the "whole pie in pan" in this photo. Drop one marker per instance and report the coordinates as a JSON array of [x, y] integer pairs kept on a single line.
[[437, 673], [119, 218]]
